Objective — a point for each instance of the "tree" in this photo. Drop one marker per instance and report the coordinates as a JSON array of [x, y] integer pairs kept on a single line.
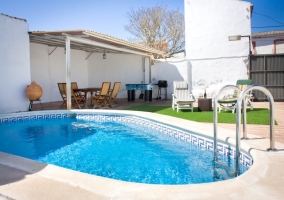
[[158, 28]]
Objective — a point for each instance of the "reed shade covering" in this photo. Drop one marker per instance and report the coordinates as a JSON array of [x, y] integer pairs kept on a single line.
[[33, 91]]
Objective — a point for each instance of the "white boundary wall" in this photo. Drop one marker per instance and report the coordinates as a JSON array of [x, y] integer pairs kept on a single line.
[[124, 68], [174, 69], [14, 64], [48, 70], [216, 61]]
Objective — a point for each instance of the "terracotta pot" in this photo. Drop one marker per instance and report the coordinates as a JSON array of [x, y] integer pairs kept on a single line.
[[33, 91]]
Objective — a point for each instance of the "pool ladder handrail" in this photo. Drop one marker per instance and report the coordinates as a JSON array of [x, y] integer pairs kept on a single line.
[[215, 120], [240, 100]]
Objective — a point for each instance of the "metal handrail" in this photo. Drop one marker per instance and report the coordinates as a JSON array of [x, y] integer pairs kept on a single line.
[[240, 100], [238, 119], [215, 117]]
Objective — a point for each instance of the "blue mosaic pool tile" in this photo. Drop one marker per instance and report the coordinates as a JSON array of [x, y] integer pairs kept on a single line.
[[52, 116], [5, 120], [108, 118], [220, 148], [247, 161], [32, 117], [115, 118], [159, 128], [175, 133], [19, 119], [226, 151], [203, 142], [40, 117], [187, 138], [26, 117], [123, 119], [46, 116], [95, 118], [79, 116], [169, 132], [209, 145], [181, 136], [13, 119], [230, 153], [194, 139], [87, 117], [58, 116], [165, 130], [120, 119]]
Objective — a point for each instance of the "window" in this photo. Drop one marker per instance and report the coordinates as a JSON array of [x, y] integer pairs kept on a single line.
[[278, 46]]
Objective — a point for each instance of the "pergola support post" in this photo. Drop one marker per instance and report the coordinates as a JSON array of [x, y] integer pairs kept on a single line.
[[68, 74]]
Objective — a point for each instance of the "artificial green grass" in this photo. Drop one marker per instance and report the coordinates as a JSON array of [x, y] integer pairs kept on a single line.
[[255, 116]]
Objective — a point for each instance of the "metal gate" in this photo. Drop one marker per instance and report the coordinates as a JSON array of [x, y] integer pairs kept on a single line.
[[268, 70]]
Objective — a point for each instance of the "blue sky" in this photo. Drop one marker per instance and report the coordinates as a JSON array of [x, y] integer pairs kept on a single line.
[[109, 16], [267, 13]]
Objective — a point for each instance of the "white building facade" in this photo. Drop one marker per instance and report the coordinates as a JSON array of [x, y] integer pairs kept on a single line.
[[213, 59]]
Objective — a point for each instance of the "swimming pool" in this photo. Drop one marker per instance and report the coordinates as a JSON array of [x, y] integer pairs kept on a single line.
[[28, 179], [51, 153]]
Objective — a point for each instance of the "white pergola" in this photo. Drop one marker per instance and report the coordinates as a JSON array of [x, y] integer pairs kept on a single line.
[[88, 41]]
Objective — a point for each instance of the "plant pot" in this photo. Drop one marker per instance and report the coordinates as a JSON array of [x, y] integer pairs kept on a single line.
[[33, 91]]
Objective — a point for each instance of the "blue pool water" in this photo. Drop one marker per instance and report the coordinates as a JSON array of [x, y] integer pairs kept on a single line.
[[111, 149]]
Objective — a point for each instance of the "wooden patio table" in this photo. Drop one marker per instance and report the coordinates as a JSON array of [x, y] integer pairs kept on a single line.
[[92, 90]]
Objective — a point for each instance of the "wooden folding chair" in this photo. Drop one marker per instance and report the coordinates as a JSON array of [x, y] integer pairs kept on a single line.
[[101, 98], [62, 90], [113, 93], [78, 96]]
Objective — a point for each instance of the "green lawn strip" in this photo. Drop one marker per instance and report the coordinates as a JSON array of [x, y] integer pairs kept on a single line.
[[255, 116]]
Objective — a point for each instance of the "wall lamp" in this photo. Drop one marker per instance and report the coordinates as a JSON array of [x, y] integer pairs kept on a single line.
[[104, 55], [238, 37]]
